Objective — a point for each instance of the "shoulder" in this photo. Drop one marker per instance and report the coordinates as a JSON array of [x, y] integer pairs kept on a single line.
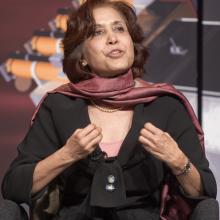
[[58, 97], [169, 103], [167, 95], [53, 100], [57, 103], [179, 116]]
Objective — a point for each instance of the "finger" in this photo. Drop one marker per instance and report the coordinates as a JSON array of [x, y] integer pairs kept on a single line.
[[85, 131], [167, 134], [153, 129], [93, 134], [148, 145], [147, 135], [77, 130], [93, 143]]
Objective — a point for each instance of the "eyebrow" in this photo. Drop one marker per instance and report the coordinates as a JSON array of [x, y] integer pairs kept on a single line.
[[112, 23]]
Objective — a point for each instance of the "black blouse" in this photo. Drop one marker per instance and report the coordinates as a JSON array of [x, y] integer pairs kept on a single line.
[[138, 176]]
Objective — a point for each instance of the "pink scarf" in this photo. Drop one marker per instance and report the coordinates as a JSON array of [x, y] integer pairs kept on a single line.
[[121, 91], [124, 91]]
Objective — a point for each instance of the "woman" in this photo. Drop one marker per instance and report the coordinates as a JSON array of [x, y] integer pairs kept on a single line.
[[111, 140]]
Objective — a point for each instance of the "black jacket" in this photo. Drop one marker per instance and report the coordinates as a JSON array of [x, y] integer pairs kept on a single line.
[[139, 177]]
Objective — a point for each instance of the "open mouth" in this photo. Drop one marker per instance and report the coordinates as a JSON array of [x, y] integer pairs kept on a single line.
[[116, 53]]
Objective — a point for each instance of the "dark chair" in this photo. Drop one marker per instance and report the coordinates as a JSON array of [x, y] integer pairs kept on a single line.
[[207, 209], [11, 211]]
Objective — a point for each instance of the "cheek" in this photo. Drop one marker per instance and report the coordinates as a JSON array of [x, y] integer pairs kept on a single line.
[[131, 51], [94, 59], [91, 51], [89, 54]]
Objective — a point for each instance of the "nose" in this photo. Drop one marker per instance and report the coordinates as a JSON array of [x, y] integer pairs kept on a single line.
[[112, 38]]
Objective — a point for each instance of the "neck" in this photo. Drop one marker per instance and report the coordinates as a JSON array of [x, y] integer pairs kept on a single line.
[[100, 88], [106, 108], [110, 75]]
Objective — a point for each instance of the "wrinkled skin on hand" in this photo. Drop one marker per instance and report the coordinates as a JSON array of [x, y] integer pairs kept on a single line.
[[83, 141], [160, 144]]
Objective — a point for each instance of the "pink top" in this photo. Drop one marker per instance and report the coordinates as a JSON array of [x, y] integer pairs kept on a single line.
[[111, 148]]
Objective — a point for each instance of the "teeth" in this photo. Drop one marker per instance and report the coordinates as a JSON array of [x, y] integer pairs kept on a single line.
[[116, 51]]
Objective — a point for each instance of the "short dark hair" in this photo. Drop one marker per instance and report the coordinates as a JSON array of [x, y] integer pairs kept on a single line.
[[81, 25]]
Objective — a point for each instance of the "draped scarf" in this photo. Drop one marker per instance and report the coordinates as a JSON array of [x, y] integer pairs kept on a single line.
[[124, 90]]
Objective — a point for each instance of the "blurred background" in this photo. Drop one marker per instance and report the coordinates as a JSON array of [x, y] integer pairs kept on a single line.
[[31, 56]]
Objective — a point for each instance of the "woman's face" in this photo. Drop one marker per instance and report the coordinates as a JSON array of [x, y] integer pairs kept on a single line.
[[110, 51]]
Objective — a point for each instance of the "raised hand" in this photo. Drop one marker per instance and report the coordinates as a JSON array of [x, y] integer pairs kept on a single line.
[[83, 142], [161, 145]]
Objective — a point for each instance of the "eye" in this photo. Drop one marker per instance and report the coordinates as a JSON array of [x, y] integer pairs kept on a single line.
[[98, 32], [119, 28]]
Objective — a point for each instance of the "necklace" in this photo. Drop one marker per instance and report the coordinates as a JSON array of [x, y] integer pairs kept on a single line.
[[103, 109]]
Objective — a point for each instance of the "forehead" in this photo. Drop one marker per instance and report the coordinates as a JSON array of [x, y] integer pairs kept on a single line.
[[106, 14]]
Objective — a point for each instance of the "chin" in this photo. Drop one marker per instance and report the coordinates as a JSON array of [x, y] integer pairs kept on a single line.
[[113, 70], [117, 72], [120, 69]]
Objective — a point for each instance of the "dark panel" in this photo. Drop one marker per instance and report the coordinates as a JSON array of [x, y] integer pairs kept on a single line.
[[173, 56]]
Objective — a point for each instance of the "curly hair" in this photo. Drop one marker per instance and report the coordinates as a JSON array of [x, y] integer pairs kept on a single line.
[[81, 26]]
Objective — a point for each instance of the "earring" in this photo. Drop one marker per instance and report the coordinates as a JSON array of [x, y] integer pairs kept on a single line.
[[83, 63]]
